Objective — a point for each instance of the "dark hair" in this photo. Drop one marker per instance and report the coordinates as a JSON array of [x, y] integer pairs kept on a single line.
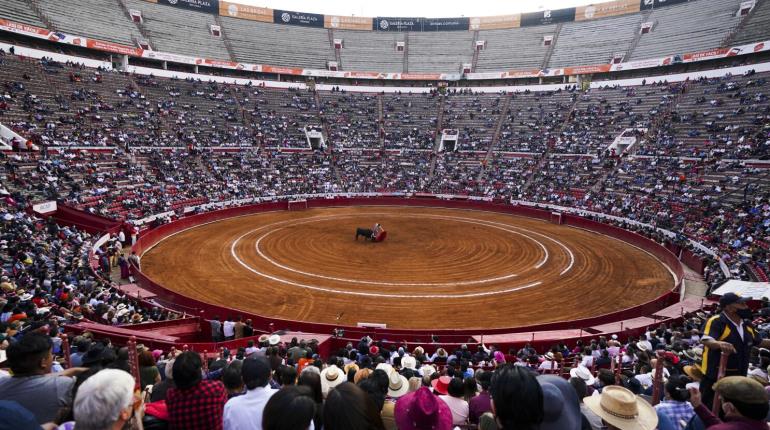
[[187, 370], [145, 359], [606, 377], [288, 375], [456, 388], [381, 378], [580, 387], [470, 388], [312, 380], [231, 375], [255, 372], [373, 389], [485, 380], [750, 410], [25, 355], [676, 387], [348, 407], [290, 408], [518, 398]]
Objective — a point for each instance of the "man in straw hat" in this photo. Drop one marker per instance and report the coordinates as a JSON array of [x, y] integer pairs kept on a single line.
[[620, 409], [744, 403]]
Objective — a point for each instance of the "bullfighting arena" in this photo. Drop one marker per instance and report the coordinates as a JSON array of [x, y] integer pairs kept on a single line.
[[437, 269]]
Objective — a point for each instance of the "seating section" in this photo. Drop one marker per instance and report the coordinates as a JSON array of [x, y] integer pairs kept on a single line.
[[595, 41], [514, 48], [434, 51], [104, 19], [279, 45], [371, 50], [20, 11], [688, 27], [756, 27], [180, 31]]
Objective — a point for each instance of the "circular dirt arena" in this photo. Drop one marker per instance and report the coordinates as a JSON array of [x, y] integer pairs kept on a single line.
[[437, 269]]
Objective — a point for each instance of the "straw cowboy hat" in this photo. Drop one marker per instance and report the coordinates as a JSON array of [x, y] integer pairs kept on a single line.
[[583, 373], [330, 378], [620, 408], [549, 356], [398, 385]]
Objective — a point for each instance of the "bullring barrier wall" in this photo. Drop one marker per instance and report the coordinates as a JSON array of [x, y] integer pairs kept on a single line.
[[207, 311]]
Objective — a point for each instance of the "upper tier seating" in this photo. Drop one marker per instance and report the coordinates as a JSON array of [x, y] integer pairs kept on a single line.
[[756, 26], [279, 45], [687, 27], [180, 31], [514, 48], [20, 11], [371, 50], [433, 51], [595, 41], [98, 19]]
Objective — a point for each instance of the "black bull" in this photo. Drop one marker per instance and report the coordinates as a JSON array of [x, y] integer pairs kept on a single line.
[[365, 232]]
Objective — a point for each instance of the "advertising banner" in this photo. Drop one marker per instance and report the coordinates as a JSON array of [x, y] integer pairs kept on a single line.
[[396, 24], [548, 17], [603, 10], [445, 24], [586, 70], [494, 22], [298, 18], [252, 13], [348, 22], [208, 6], [655, 4], [114, 47]]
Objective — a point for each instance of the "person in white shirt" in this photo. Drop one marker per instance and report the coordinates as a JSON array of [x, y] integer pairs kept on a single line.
[[548, 363], [245, 412], [228, 328], [454, 399]]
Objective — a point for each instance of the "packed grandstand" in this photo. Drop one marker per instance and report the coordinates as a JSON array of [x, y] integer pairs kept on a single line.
[[119, 117]]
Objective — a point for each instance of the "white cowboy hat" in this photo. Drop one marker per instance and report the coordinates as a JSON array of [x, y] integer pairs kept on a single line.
[[330, 378], [619, 407], [427, 370], [409, 362], [549, 356], [274, 340], [644, 345], [583, 373], [398, 385]]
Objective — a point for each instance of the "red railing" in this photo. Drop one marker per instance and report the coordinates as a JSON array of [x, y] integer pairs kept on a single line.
[[206, 310]]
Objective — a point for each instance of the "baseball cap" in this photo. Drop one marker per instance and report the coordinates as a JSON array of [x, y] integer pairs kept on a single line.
[[731, 298]]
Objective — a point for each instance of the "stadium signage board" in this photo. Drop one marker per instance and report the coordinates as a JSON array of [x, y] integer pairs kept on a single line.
[[655, 4], [495, 22], [396, 24], [420, 24], [208, 6], [445, 24], [252, 13], [604, 10], [548, 17], [298, 18]]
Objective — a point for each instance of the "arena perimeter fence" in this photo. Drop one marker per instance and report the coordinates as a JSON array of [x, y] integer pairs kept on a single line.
[[430, 339]]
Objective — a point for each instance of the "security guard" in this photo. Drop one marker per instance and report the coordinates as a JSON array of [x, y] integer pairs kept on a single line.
[[728, 332]]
